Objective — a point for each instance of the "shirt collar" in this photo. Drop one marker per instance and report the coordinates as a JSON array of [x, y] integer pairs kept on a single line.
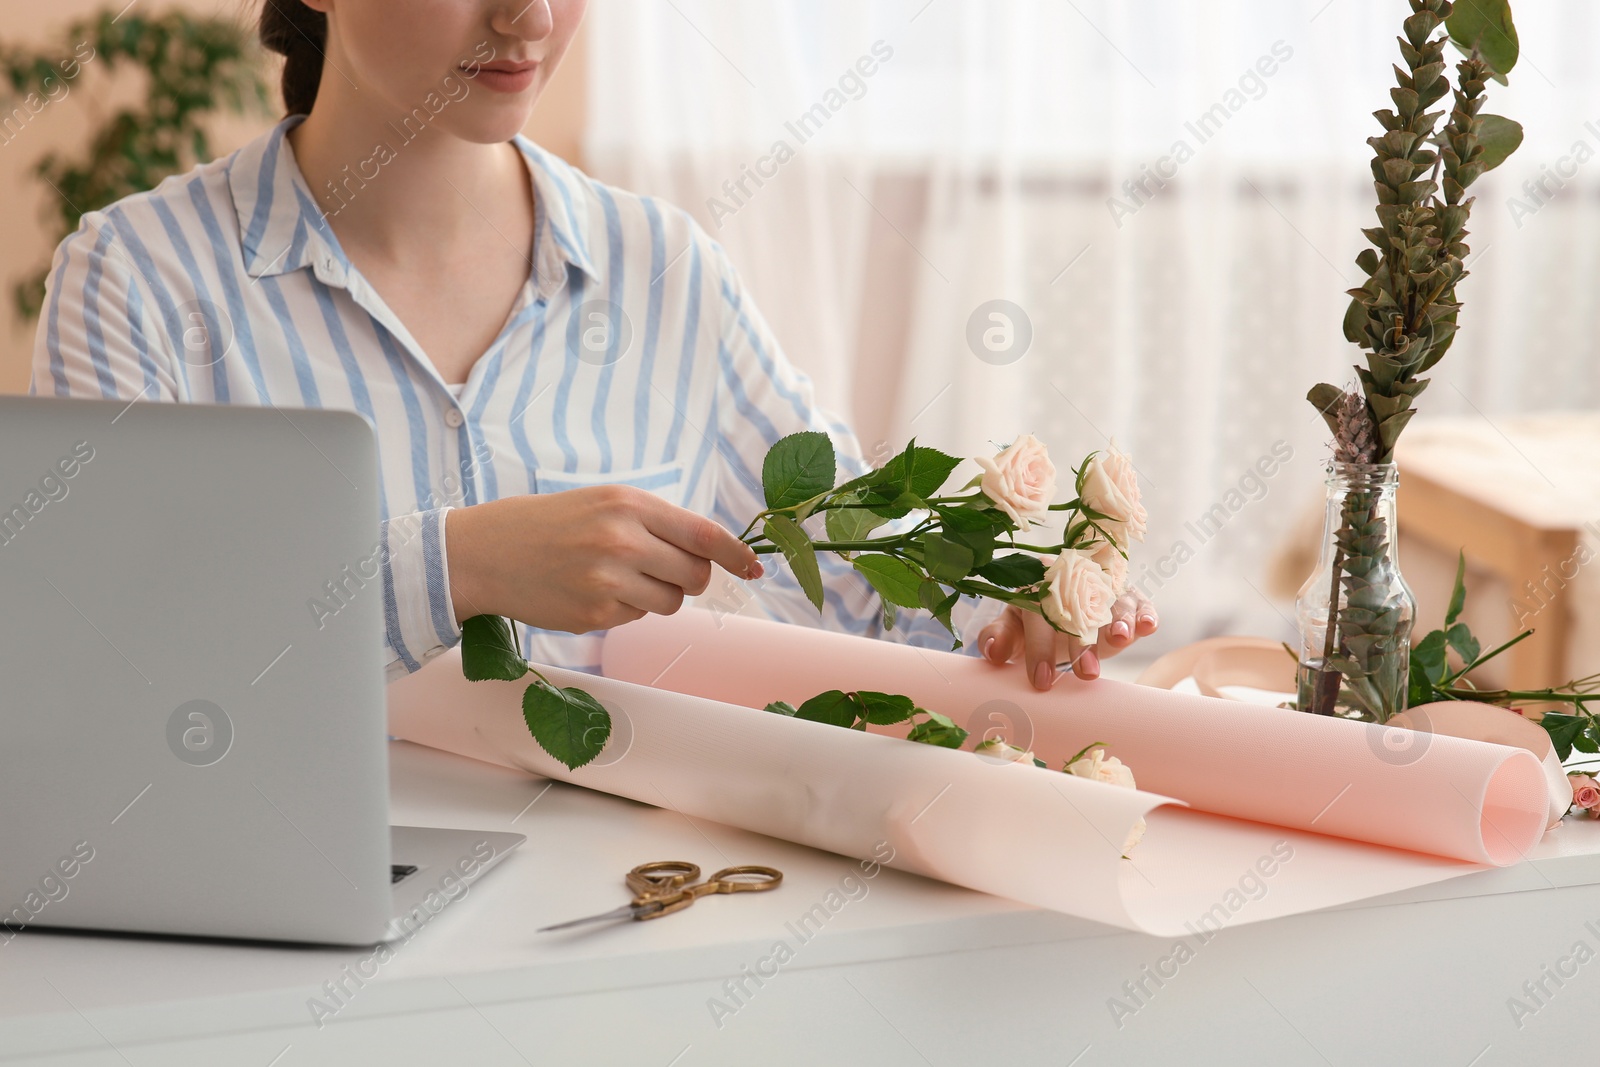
[[563, 225], [281, 228]]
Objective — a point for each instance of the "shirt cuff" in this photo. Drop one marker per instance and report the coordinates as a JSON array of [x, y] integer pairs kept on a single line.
[[419, 617]]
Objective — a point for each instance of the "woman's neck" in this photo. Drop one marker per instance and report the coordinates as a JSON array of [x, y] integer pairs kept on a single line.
[[413, 187]]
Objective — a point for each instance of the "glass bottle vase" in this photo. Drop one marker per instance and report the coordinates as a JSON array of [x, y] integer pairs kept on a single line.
[[1361, 668]]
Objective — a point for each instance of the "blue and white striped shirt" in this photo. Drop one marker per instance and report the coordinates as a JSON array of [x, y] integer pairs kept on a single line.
[[227, 285]]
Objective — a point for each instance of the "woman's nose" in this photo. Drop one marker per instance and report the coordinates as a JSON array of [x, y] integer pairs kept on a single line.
[[531, 20]]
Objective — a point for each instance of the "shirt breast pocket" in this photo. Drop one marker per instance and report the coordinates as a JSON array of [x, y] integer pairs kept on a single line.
[[665, 480]]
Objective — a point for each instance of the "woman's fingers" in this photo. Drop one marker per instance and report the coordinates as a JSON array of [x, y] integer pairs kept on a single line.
[[1119, 633], [1084, 658], [673, 565], [1000, 641], [698, 535], [642, 593], [1039, 650], [1146, 619]]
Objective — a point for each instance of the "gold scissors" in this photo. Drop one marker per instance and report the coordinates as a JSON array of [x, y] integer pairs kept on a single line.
[[666, 886]]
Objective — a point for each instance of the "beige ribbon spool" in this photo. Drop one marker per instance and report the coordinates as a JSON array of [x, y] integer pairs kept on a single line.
[[1260, 663]]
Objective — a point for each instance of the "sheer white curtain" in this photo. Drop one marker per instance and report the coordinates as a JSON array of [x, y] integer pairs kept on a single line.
[[1170, 194]]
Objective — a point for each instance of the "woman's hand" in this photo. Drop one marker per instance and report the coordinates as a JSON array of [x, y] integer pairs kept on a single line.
[[1043, 646], [584, 559]]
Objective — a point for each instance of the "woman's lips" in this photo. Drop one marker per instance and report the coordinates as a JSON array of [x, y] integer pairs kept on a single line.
[[506, 77]]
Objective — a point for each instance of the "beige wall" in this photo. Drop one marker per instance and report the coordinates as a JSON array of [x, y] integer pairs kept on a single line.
[[26, 237]]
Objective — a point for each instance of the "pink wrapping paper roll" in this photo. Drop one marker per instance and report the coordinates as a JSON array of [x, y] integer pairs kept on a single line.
[[1446, 796], [949, 815]]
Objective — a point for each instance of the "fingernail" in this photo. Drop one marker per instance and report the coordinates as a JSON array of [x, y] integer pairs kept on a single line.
[[1119, 629], [755, 570], [1042, 675], [1088, 664], [1147, 620], [987, 647]]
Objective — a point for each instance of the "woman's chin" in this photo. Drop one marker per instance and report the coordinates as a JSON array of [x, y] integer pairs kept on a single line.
[[491, 121]]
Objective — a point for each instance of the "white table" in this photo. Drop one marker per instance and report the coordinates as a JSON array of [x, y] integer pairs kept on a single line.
[[914, 972]]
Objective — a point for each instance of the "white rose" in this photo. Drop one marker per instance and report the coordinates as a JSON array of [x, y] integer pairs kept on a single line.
[[1110, 486], [995, 748], [1078, 594], [1021, 480], [1113, 562], [1135, 835], [1099, 767]]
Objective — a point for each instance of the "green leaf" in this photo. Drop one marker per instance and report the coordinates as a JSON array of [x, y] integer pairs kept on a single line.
[[569, 724], [1325, 397], [922, 471], [801, 554], [1354, 325], [782, 707], [938, 730], [930, 594], [1037, 762], [1487, 25], [885, 709], [1014, 571], [850, 524], [797, 468], [1466, 646], [946, 560], [1563, 730], [894, 579], [888, 615], [1458, 595], [965, 518], [1428, 657], [1500, 137], [836, 708], [979, 528], [489, 650]]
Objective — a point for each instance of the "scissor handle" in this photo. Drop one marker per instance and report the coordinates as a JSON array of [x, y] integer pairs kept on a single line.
[[662, 877], [751, 878]]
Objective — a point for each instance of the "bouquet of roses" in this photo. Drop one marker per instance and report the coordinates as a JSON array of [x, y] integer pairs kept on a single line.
[[919, 544]]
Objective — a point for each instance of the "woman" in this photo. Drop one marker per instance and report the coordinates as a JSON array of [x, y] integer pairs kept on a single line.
[[571, 390]]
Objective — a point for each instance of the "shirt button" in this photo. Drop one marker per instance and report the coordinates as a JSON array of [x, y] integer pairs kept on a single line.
[[453, 419]]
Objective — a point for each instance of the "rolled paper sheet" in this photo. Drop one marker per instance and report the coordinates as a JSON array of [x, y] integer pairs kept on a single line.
[[1502, 726], [1009, 829], [946, 814], [1432, 793], [1215, 662]]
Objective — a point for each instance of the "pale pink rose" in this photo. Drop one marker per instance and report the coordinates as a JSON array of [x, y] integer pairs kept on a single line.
[[1585, 792], [1113, 562], [1135, 835], [1078, 594], [997, 749], [1111, 487], [1099, 767], [1021, 480]]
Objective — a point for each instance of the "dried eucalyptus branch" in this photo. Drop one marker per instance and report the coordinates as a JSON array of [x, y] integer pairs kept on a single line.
[[1405, 316]]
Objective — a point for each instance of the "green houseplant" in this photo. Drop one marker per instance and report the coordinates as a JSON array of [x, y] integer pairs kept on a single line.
[[192, 67]]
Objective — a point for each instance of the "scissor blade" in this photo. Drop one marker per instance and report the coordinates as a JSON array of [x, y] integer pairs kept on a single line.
[[627, 911]]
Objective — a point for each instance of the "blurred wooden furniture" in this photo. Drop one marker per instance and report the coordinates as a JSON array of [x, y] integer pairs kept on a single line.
[[1517, 494]]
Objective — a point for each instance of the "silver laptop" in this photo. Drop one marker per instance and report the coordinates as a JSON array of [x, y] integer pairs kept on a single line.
[[189, 746]]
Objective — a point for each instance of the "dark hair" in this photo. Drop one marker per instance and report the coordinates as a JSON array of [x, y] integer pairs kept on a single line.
[[299, 34]]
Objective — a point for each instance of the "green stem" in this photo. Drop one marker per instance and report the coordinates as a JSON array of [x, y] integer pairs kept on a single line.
[[1485, 658], [1518, 696]]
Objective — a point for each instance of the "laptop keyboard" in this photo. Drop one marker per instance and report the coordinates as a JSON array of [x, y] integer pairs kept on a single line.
[[398, 871]]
